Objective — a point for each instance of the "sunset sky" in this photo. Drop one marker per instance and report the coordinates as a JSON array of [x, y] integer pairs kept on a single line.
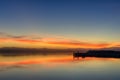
[[60, 23]]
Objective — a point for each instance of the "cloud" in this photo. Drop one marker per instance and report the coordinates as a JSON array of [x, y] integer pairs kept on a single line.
[[81, 44], [118, 45], [5, 35], [30, 39]]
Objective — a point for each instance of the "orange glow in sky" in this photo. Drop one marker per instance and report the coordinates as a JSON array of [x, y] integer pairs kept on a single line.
[[33, 41], [54, 43]]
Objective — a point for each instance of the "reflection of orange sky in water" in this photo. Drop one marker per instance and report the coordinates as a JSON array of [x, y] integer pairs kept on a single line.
[[43, 60]]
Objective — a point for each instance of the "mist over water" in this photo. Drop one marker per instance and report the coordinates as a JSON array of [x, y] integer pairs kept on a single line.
[[58, 67]]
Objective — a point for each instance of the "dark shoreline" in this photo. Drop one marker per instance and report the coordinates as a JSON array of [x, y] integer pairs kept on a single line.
[[98, 53]]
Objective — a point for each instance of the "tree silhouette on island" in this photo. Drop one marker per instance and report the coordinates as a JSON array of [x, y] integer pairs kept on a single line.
[[98, 53]]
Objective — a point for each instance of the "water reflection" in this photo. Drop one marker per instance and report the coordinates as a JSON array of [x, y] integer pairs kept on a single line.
[[51, 60], [58, 67]]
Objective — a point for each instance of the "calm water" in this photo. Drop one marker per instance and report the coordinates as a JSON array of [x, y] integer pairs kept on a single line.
[[58, 67]]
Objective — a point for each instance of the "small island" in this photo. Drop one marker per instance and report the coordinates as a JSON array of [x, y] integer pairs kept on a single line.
[[98, 53]]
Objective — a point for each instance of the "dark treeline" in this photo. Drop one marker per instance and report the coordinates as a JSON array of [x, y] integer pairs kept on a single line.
[[14, 51]]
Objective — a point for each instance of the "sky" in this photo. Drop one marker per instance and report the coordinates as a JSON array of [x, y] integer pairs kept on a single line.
[[60, 23]]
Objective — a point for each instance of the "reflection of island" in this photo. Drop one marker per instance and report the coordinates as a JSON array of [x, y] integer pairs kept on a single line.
[[48, 61], [98, 53]]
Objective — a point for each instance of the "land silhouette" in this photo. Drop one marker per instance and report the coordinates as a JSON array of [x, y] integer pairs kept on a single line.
[[15, 51], [98, 53], [77, 52]]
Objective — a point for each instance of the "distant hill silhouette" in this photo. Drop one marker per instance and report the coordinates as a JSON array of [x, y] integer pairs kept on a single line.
[[13, 51]]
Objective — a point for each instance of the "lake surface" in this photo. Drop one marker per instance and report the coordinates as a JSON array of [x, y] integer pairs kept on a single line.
[[58, 67]]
